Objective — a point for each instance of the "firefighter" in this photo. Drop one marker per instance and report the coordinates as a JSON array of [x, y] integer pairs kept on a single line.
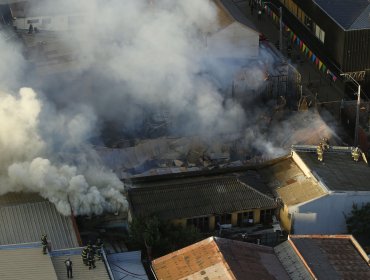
[[91, 259], [68, 264], [99, 248], [44, 243], [320, 152], [84, 256]]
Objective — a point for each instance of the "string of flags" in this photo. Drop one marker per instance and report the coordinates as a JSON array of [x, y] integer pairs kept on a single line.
[[302, 46]]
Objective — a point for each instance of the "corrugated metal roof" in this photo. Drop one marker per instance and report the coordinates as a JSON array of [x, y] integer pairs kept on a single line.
[[289, 183], [349, 14], [338, 170], [218, 258], [80, 271], [26, 222], [332, 257], [204, 196], [127, 266], [25, 262], [291, 262]]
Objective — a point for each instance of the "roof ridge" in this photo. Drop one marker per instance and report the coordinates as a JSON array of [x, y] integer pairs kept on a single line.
[[253, 189]]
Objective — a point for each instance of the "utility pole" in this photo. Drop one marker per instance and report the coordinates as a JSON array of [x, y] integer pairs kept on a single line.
[[357, 107]]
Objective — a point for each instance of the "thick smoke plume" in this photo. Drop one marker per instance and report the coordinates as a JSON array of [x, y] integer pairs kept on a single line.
[[130, 60], [44, 151]]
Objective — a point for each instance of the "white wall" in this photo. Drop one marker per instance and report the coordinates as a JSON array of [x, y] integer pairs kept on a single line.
[[326, 215]]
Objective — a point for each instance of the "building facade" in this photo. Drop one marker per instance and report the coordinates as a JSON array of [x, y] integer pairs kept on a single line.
[[336, 31], [203, 202]]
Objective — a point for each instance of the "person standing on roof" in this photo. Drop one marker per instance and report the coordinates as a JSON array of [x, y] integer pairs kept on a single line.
[[91, 259], [84, 256], [44, 243], [68, 264], [99, 248]]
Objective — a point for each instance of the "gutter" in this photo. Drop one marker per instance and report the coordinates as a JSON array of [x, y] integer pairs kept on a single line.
[[107, 264]]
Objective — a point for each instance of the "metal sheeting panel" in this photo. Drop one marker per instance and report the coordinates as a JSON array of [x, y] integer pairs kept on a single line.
[[25, 263], [27, 222], [127, 265], [80, 271]]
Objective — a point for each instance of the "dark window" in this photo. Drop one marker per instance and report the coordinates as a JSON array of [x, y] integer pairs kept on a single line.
[[266, 216], [223, 219], [202, 223], [245, 218], [33, 21]]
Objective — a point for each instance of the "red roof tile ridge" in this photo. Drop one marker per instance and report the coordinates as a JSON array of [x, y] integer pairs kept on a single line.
[[360, 250], [321, 236], [185, 249], [301, 258], [224, 260]]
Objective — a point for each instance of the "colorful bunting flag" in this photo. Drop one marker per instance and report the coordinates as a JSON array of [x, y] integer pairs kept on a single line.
[[317, 61], [320, 64]]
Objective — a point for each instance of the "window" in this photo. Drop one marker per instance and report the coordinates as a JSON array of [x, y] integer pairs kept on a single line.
[[319, 33], [245, 218], [308, 22], [223, 219], [202, 223], [33, 21], [266, 216]]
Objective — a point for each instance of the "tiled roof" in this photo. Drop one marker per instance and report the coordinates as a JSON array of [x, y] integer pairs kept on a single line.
[[349, 14], [289, 183], [80, 271], [218, 258], [24, 222], [291, 262], [338, 170], [127, 266], [199, 197], [333, 256], [25, 261]]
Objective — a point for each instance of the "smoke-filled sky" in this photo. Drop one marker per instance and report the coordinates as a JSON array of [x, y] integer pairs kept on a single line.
[[134, 58]]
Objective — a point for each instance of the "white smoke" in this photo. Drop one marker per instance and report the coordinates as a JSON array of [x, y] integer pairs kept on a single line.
[[37, 143], [134, 57]]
